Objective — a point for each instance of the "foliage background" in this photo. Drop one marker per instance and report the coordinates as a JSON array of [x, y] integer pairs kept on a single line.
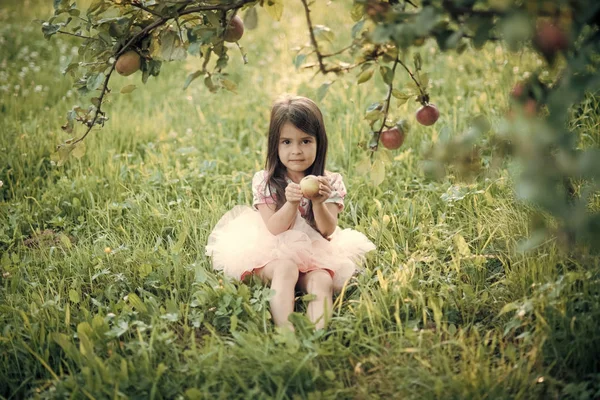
[[105, 290]]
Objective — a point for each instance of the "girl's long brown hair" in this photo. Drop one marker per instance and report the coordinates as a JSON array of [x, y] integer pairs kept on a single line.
[[304, 114]]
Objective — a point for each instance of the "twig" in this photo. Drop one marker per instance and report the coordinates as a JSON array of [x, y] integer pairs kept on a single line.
[[411, 76], [98, 109], [313, 39], [79, 36], [142, 7], [387, 102]]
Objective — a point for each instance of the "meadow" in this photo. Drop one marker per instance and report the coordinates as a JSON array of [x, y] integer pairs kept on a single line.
[[105, 290]]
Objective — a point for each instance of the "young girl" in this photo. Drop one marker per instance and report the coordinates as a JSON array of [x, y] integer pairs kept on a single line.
[[285, 238]]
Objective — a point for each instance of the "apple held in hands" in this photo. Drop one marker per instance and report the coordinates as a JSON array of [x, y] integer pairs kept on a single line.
[[310, 186], [428, 114]]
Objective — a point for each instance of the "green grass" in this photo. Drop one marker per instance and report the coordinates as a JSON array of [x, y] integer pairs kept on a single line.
[[105, 291]]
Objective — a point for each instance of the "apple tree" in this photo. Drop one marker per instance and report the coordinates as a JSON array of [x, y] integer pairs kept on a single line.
[[130, 35]]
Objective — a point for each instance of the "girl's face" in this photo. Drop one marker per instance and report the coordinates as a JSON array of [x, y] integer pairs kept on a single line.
[[297, 150]]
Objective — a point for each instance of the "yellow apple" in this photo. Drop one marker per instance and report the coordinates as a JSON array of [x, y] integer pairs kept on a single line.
[[310, 186]]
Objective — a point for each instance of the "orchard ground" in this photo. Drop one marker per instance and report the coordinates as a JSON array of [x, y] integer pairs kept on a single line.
[[105, 290]]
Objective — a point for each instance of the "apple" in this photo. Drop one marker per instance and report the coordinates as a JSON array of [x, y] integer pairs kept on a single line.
[[392, 138], [428, 114], [517, 90], [128, 63], [310, 186], [235, 30], [377, 9], [550, 39]]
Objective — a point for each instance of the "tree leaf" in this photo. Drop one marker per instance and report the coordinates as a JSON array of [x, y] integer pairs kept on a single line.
[[229, 85], [299, 59], [94, 81], [322, 91], [274, 8], [387, 74], [363, 166], [323, 32], [251, 19], [365, 75], [78, 150], [377, 172], [400, 96], [190, 78], [128, 89], [170, 46]]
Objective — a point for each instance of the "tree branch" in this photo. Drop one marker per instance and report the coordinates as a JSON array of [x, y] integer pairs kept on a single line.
[[162, 20], [387, 102]]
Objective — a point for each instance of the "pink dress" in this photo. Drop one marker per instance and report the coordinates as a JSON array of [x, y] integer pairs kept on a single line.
[[241, 243]]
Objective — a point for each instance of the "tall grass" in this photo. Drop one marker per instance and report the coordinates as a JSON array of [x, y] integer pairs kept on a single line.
[[105, 290]]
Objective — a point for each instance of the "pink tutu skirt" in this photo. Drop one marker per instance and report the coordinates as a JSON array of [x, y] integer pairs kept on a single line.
[[241, 243]]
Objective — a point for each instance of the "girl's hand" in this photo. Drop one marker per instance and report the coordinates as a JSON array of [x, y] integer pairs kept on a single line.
[[293, 194], [325, 190]]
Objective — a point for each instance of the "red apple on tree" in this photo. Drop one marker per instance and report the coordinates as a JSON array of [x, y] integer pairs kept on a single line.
[[427, 114], [310, 186], [235, 30], [392, 138], [128, 63], [550, 39]]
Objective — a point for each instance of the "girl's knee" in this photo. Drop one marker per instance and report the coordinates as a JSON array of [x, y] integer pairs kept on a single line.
[[285, 269], [320, 282]]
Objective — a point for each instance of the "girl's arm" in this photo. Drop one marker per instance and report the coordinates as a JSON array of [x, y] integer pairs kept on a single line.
[[325, 214], [326, 217], [280, 221]]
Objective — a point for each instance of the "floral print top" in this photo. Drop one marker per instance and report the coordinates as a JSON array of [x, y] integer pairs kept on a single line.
[[262, 195]]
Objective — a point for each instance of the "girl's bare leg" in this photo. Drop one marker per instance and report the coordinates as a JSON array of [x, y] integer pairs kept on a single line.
[[319, 283], [283, 275]]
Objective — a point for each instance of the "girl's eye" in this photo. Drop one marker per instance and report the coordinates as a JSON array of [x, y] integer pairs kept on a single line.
[[307, 141], [286, 142]]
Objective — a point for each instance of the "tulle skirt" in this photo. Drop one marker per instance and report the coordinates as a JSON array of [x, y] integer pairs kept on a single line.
[[241, 243]]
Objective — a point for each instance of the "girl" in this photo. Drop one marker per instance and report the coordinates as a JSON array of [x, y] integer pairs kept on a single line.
[[285, 238]]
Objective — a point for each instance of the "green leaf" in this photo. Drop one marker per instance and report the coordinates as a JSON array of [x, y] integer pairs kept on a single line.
[[78, 152], [363, 166], [251, 19], [63, 152], [190, 78], [461, 245], [49, 29], [365, 75], [136, 302], [170, 47], [274, 8], [424, 80], [194, 394], [357, 28], [128, 89], [377, 174], [357, 11], [323, 32], [387, 74], [322, 91], [94, 81], [299, 59], [400, 96], [209, 84], [74, 296]]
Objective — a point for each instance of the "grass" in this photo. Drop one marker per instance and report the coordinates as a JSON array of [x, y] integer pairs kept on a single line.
[[105, 291]]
